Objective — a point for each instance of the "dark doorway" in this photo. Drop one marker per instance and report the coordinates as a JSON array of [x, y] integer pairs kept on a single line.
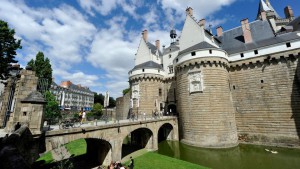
[[171, 110]]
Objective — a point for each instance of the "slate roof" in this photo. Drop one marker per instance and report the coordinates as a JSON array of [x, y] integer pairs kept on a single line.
[[149, 64], [295, 23], [233, 40], [75, 87], [262, 35], [201, 45], [34, 97], [153, 49], [171, 48]]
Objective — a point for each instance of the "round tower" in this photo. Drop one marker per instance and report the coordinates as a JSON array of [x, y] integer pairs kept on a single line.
[[205, 107], [146, 84]]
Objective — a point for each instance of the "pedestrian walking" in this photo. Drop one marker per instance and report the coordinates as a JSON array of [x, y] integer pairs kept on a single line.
[[83, 117]]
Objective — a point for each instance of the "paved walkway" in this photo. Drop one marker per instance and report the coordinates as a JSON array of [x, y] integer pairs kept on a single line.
[[91, 123]]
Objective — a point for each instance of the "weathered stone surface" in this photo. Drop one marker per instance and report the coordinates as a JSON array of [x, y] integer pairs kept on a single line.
[[207, 117]]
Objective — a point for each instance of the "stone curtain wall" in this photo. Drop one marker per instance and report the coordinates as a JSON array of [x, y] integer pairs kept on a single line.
[[206, 117], [123, 106], [266, 98]]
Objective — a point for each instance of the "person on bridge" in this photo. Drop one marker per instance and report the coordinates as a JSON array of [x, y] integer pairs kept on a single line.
[[83, 117]]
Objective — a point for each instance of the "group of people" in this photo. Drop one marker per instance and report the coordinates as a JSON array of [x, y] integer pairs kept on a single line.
[[119, 165]]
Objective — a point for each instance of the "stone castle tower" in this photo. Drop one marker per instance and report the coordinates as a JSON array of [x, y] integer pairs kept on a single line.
[[240, 84]]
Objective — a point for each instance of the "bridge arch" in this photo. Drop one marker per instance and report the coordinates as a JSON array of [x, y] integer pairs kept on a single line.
[[165, 132], [98, 151], [137, 139]]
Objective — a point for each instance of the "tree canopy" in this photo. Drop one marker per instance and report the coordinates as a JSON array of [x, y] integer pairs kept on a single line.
[[52, 108], [99, 98], [8, 47], [125, 91], [42, 68], [97, 109]]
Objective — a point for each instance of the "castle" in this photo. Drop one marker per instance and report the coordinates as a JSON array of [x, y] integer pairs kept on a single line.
[[241, 84]]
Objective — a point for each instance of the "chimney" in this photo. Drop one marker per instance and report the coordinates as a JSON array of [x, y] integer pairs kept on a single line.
[[189, 11], [157, 44], [202, 22], [246, 30], [145, 35], [263, 15], [289, 14], [219, 31]]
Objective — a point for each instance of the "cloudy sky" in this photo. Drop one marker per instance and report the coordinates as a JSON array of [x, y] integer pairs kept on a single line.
[[93, 42]]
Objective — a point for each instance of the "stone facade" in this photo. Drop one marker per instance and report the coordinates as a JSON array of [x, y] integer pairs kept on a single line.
[[123, 106], [198, 109], [113, 135], [24, 111], [240, 85], [73, 97], [266, 97]]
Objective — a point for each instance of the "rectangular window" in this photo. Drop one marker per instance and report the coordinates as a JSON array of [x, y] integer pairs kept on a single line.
[[171, 69], [159, 92], [255, 52], [193, 53], [288, 45], [242, 55], [210, 51]]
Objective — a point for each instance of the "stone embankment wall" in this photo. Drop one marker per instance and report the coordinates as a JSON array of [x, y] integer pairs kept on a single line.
[[206, 117], [266, 97]]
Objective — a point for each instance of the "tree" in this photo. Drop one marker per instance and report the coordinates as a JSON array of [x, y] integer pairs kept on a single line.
[[42, 68], [112, 102], [97, 110], [98, 98], [52, 107], [8, 47], [125, 91]]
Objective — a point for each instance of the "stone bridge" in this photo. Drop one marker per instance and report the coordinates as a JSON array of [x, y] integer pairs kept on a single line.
[[105, 142]]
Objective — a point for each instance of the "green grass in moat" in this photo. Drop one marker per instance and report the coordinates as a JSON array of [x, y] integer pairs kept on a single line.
[[152, 160], [47, 157], [149, 160], [77, 147]]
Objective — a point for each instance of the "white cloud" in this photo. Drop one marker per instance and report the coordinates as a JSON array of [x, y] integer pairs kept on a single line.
[[202, 8], [104, 7], [111, 52], [77, 77]]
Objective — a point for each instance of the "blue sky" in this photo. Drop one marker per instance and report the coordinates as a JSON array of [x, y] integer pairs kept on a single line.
[[93, 42]]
